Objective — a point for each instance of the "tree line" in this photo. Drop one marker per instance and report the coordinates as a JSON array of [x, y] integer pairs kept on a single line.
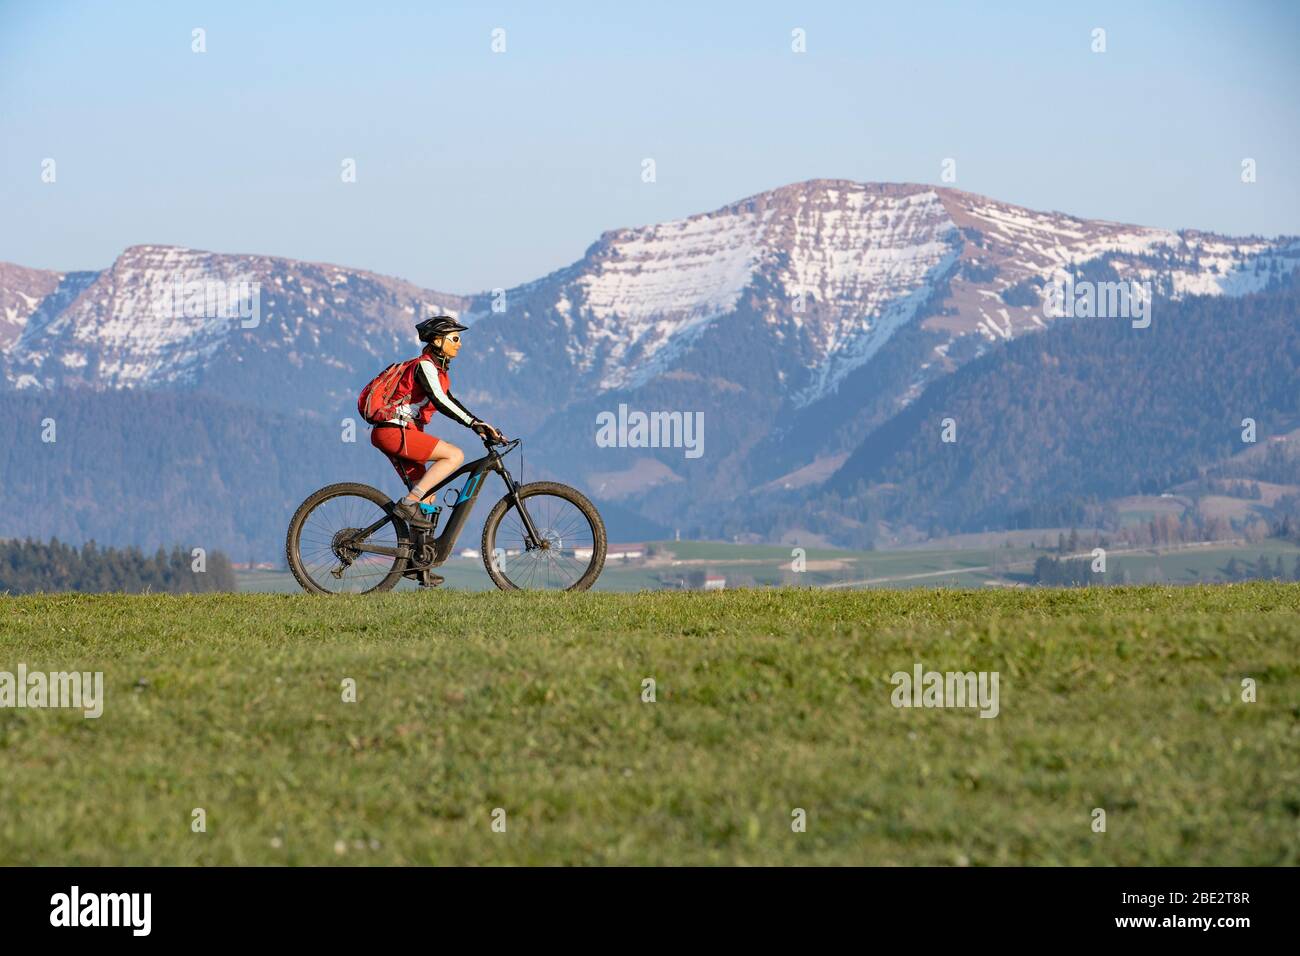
[[1077, 572], [28, 567]]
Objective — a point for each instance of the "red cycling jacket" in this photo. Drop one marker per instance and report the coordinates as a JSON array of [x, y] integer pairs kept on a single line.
[[428, 389]]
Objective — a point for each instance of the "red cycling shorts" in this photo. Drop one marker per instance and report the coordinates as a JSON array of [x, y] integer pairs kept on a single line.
[[407, 448]]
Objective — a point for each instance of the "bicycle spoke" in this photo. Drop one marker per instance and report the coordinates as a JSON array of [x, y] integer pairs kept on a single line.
[[563, 527], [320, 533]]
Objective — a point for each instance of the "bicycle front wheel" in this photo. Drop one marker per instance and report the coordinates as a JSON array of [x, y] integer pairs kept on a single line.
[[572, 551]]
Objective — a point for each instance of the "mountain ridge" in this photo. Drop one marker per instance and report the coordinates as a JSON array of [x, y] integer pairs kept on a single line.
[[797, 320], [639, 295]]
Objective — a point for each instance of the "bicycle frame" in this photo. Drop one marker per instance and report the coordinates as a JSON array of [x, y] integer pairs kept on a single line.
[[444, 543]]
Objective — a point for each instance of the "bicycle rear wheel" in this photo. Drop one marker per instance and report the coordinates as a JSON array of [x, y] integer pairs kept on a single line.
[[323, 548], [573, 540]]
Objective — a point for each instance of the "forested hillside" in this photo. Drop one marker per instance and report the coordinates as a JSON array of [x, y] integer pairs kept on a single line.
[[153, 468], [1083, 411]]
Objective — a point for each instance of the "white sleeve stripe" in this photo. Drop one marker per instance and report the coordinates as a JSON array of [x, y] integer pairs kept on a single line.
[[439, 398]]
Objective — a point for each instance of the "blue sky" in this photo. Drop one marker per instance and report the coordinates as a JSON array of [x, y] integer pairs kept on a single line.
[[477, 170]]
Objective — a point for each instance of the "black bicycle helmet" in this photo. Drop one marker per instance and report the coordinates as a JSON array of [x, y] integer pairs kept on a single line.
[[437, 326]]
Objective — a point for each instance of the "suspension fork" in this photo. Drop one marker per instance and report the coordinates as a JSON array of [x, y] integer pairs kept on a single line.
[[534, 539]]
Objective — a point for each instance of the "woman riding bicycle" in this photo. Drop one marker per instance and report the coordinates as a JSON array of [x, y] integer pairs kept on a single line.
[[349, 537], [427, 389]]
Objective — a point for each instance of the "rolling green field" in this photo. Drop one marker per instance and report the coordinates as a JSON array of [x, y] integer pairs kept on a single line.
[[767, 701]]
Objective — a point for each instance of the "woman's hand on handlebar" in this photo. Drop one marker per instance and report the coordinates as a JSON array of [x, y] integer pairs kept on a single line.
[[489, 433]]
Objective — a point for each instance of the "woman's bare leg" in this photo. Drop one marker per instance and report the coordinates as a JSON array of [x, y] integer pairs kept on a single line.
[[446, 459]]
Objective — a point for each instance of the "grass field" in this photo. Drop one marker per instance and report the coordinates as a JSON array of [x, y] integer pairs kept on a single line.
[[1125, 699]]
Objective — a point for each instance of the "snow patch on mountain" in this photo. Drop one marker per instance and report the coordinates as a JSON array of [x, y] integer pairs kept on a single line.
[[648, 292], [688, 267], [859, 344], [869, 261]]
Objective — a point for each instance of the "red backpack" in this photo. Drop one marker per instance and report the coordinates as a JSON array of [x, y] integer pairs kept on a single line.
[[378, 401]]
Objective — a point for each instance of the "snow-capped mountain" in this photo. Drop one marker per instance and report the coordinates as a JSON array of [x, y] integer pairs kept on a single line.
[[838, 262], [250, 328], [794, 319], [839, 268]]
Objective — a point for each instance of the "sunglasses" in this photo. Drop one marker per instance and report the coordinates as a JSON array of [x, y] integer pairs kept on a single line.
[[454, 337]]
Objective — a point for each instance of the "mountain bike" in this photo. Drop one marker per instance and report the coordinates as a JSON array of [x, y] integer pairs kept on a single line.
[[540, 536]]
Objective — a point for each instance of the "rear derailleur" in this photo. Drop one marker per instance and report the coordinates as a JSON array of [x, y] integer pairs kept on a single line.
[[344, 549]]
